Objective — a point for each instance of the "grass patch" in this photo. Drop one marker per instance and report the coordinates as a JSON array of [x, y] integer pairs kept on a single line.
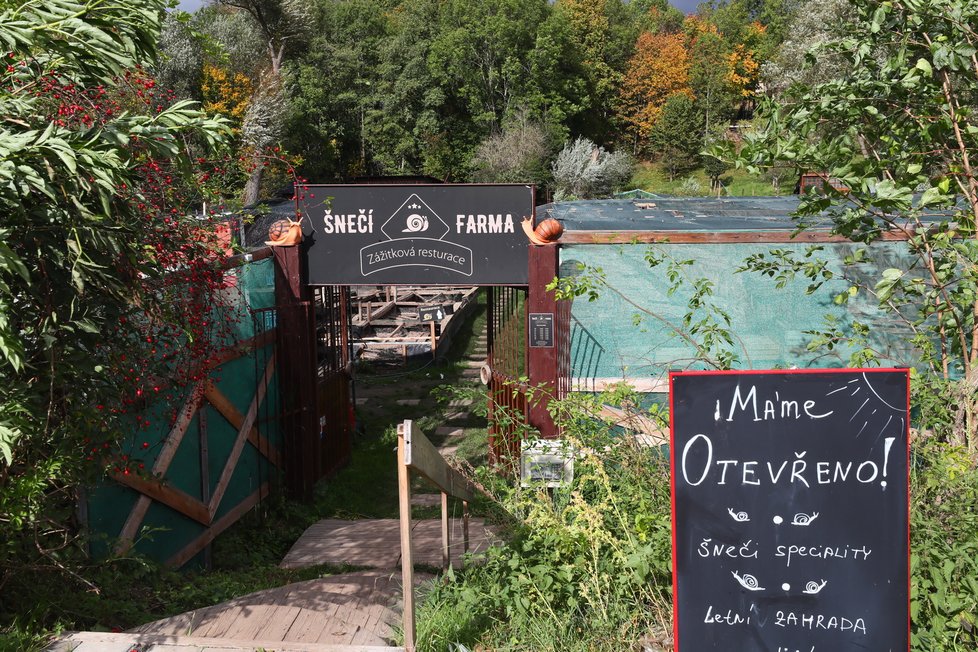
[[737, 183], [133, 591]]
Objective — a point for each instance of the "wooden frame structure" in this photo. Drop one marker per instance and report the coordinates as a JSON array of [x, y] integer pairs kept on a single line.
[[204, 511]]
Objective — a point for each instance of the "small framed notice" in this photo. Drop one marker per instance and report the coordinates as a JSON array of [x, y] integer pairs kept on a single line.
[[790, 510], [542, 330]]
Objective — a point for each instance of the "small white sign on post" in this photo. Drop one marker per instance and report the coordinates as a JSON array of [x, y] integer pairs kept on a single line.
[[547, 461]]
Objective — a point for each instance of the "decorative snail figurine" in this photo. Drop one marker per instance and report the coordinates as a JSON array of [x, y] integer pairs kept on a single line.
[[547, 231], [284, 233]]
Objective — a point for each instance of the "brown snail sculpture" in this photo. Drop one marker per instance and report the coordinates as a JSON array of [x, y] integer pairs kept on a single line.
[[284, 233], [547, 231]]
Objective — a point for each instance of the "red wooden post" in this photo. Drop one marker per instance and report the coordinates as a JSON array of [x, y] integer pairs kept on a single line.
[[541, 336], [297, 377]]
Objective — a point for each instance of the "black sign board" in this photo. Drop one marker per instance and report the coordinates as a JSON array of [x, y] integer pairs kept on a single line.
[[790, 510], [416, 234], [431, 313], [541, 330]]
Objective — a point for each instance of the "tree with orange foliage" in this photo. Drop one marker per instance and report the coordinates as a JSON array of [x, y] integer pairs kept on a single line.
[[744, 61], [658, 69], [225, 92]]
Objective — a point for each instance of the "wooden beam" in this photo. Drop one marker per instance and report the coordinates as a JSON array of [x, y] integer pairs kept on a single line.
[[218, 526], [541, 361], [160, 466], [228, 410], [711, 237], [446, 533], [407, 553], [239, 442], [243, 348], [421, 456], [248, 257], [169, 496]]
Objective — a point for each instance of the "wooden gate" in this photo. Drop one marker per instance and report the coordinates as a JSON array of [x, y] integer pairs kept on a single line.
[[334, 398]]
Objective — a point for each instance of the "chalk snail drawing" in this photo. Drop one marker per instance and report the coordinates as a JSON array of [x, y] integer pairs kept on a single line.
[[813, 587], [416, 223], [804, 519], [740, 517], [748, 581]]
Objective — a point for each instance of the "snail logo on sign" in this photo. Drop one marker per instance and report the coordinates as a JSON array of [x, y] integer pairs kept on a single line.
[[423, 246]]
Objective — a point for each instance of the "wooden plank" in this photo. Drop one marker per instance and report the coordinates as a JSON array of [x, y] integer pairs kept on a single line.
[[248, 257], [251, 621], [102, 641], [243, 348], [423, 457], [218, 622], [239, 442], [205, 476], [229, 411], [135, 519], [636, 423], [169, 496], [280, 623], [407, 557], [711, 237], [446, 543], [307, 626], [217, 527], [641, 385]]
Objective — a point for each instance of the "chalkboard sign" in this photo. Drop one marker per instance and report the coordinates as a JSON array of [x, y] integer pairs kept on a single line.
[[790, 510], [541, 330]]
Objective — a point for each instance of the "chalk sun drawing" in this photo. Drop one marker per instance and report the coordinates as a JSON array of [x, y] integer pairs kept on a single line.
[[748, 581]]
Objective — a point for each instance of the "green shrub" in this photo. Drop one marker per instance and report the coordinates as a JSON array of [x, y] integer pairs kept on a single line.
[[944, 549], [587, 566]]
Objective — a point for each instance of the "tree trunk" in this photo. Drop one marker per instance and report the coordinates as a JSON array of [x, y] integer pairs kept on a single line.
[[253, 185]]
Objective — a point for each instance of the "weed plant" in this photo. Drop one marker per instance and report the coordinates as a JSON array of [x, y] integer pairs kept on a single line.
[[587, 566]]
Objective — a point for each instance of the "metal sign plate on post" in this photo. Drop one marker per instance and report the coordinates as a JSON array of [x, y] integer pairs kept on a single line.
[[542, 330], [416, 234]]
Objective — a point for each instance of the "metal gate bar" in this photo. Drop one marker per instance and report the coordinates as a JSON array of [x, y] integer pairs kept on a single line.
[[507, 360]]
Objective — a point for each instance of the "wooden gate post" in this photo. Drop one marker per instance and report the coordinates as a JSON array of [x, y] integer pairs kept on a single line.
[[541, 336], [296, 352]]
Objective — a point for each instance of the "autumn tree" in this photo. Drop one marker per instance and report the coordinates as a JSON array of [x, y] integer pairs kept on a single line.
[[658, 70]]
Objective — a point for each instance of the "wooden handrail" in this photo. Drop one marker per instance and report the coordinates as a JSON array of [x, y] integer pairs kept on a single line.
[[416, 453]]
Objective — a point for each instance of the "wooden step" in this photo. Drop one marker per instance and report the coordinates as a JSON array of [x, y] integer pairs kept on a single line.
[[126, 642]]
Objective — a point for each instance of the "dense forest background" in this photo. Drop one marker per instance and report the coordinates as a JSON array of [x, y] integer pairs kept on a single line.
[[485, 90]]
